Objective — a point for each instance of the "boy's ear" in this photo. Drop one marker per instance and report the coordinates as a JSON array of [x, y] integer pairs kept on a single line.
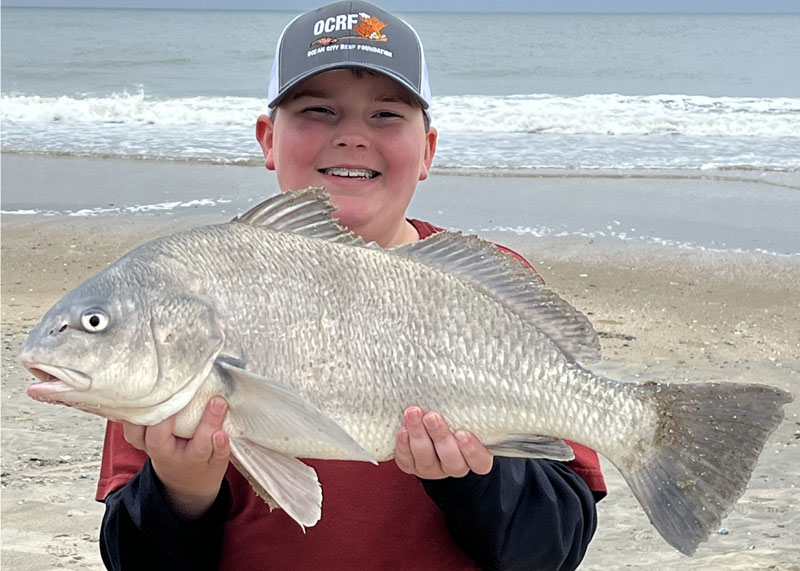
[[430, 149], [264, 130]]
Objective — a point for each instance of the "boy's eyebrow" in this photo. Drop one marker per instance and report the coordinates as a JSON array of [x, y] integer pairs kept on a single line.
[[395, 99], [383, 98], [318, 93], [322, 94]]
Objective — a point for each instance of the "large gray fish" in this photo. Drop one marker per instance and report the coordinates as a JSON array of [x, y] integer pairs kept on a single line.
[[318, 341]]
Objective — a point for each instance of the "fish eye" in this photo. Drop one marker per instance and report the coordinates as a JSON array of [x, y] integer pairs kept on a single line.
[[94, 320]]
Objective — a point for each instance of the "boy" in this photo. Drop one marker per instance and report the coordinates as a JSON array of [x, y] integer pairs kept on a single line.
[[350, 104]]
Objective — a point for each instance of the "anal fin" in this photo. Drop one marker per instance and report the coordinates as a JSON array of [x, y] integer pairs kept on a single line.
[[532, 446]]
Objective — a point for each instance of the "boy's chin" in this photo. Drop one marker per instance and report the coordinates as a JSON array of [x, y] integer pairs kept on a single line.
[[351, 211]]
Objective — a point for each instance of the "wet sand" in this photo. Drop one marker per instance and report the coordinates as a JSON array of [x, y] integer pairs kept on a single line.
[[662, 313]]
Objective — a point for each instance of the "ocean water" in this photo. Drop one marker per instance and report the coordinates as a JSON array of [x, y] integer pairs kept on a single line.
[[512, 92]]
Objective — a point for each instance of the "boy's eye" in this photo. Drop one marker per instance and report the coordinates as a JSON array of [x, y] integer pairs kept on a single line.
[[387, 114], [320, 110]]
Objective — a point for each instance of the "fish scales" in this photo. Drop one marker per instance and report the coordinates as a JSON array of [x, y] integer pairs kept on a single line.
[[319, 341], [363, 298]]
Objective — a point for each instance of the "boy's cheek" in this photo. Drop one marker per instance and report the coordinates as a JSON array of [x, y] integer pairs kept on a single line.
[[289, 154]]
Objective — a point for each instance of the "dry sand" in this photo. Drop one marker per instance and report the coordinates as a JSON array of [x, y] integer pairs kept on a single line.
[[663, 314]]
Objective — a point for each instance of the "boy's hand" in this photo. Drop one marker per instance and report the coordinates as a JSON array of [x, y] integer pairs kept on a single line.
[[426, 447], [191, 470]]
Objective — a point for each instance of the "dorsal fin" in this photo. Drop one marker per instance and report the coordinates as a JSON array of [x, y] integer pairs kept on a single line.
[[307, 212], [518, 287]]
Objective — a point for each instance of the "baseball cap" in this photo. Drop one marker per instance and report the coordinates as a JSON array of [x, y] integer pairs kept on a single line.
[[349, 35]]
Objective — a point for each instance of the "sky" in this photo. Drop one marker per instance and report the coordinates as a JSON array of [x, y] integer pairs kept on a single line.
[[747, 6]]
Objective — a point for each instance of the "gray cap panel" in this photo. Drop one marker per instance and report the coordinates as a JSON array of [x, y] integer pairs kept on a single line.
[[349, 34]]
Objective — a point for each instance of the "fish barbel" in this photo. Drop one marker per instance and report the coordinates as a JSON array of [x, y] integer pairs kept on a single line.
[[319, 341]]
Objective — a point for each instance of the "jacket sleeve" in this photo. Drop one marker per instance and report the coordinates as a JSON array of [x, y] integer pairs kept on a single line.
[[140, 530], [524, 514]]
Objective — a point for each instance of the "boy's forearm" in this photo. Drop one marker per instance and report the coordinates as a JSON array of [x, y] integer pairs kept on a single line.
[[525, 514], [141, 531]]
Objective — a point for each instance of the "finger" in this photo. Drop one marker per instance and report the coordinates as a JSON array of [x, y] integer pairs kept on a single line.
[[222, 446], [202, 443], [478, 458], [402, 452], [216, 411], [426, 462], [451, 460], [134, 434]]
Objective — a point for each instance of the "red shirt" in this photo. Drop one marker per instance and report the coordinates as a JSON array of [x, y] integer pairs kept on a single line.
[[373, 517]]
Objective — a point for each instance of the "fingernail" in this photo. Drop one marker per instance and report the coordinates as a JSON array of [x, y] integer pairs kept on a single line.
[[462, 436], [431, 421], [217, 405], [414, 415]]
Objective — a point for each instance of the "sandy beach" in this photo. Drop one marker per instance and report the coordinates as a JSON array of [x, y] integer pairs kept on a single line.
[[663, 313]]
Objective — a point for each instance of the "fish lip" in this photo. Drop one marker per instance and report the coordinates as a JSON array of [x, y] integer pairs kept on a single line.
[[57, 379]]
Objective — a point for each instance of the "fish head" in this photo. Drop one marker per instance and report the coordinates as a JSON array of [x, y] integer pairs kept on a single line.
[[122, 350]]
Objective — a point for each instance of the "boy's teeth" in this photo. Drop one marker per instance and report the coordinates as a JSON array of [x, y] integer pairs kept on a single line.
[[351, 173]]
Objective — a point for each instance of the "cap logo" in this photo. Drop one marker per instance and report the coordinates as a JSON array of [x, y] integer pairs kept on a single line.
[[366, 27]]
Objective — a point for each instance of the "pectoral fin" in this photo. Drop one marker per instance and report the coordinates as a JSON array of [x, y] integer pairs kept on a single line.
[[268, 412], [292, 485]]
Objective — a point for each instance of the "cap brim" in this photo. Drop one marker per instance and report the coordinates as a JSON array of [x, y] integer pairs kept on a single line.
[[347, 65]]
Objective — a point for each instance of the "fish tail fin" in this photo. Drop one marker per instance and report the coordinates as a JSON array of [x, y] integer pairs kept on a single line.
[[705, 447]]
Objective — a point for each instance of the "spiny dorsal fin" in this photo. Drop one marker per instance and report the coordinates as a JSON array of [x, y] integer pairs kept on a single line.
[[307, 212], [518, 287]]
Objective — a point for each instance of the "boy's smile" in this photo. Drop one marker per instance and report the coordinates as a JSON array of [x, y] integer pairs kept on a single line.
[[359, 134], [350, 173]]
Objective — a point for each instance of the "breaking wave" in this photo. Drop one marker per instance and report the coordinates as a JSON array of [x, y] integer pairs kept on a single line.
[[477, 131], [598, 114]]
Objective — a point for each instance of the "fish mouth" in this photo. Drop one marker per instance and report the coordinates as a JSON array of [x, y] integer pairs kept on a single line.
[[55, 380]]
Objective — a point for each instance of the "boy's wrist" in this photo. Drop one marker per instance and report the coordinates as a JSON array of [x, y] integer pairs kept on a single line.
[[189, 506], [187, 502]]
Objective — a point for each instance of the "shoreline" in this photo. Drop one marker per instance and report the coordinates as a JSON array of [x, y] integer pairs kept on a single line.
[[780, 177], [663, 314], [738, 211]]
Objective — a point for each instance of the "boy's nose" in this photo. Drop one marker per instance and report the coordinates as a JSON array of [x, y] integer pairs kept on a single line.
[[351, 140], [351, 133]]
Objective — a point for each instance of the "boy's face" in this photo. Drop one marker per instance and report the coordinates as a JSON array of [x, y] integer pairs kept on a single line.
[[361, 136]]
